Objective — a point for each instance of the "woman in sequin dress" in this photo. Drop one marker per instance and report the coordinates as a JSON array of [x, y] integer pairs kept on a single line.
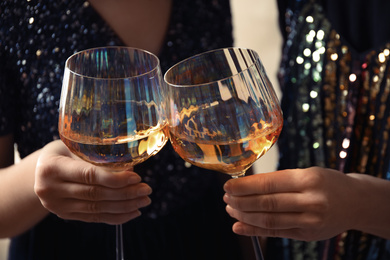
[[186, 219], [335, 78]]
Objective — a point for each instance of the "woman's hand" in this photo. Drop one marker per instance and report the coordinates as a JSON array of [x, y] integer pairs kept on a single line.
[[304, 204], [76, 190]]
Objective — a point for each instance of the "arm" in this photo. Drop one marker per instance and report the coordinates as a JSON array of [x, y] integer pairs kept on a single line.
[[69, 187], [19, 206], [309, 204], [373, 211]]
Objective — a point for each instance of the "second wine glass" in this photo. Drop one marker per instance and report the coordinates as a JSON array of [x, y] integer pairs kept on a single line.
[[223, 112], [112, 110]]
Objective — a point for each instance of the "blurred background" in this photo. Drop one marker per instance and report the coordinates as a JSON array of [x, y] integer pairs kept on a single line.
[[256, 27]]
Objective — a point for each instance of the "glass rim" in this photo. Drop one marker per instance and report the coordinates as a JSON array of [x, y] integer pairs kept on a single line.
[[204, 53], [112, 47]]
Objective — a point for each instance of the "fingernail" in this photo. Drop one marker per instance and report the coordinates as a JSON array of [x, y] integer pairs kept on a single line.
[[134, 179], [144, 190], [229, 210], [136, 214], [144, 202], [226, 197], [226, 187], [237, 228]]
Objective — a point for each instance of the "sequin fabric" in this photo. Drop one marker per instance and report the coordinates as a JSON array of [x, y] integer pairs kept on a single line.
[[336, 107]]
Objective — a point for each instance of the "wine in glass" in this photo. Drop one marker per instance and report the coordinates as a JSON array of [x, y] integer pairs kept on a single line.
[[223, 112], [112, 111]]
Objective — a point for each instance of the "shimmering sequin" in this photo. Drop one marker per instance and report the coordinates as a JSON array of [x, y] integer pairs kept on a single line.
[[336, 108]]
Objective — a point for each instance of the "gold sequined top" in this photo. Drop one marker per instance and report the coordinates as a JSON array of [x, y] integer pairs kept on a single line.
[[336, 107]]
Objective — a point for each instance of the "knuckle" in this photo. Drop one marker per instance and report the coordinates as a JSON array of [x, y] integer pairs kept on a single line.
[[237, 203], [45, 194], [312, 177], [45, 168], [91, 193], [318, 204], [268, 203], [42, 170], [320, 207], [43, 173], [89, 175], [239, 215], [267, 184], [41, 190], [269, 222], [93, 207]]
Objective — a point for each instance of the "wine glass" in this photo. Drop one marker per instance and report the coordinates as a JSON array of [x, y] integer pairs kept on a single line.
[[223, 113], [112, 111]]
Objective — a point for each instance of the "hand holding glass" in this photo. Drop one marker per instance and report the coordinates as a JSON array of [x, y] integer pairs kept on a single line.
[[223, 112], [111, 110]]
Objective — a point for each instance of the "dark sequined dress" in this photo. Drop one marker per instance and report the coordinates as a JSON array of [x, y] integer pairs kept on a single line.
[[335, 77], [187, 219]]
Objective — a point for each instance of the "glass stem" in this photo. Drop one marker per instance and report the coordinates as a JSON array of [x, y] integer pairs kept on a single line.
[[255, 239], [257, 248], [119, 243]]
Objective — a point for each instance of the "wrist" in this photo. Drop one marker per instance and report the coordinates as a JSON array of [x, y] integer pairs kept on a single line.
[[372, 212]]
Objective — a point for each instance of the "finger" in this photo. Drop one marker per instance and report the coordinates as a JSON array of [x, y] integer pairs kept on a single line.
[[99, 207], [83, 172], [108, 218], [267, 220], [248, 230], [277, 202], [265, 183], [98, 193]]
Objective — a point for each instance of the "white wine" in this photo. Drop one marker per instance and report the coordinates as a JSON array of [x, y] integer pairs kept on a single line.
[[232, 158]]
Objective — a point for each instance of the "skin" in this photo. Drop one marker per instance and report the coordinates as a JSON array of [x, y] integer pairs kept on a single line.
[[308, 204], [85, 192], [139, 23]]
